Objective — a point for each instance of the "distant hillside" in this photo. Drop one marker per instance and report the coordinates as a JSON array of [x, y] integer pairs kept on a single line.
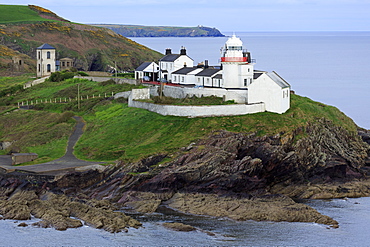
[[159, 31], [24, 28]]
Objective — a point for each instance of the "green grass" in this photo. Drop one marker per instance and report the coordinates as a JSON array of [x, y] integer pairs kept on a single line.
[[115, 131], [40, 132], [62, 90], [18, 13], [7, 82]]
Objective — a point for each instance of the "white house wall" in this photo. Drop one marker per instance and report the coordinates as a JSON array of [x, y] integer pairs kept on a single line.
[[264, 89], [43, 62]]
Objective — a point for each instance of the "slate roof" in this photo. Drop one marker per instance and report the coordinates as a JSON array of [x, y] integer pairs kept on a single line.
[[219, 76], [143, 66], [170, 58], [208, 72], [184, 70], [279, 80], [45, 46], [256, 75]]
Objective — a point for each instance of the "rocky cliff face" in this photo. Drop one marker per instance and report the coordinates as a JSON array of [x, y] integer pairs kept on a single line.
[[237, 163], [237, 175]]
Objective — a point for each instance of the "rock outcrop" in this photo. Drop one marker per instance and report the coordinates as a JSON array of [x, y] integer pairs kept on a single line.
[[237, 175]]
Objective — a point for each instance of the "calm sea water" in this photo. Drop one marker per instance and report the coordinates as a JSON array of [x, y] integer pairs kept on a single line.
[[352, 214], [327, 67], [330, 67]]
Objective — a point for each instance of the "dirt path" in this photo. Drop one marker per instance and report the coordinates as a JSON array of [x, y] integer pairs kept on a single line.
[[67, 163]]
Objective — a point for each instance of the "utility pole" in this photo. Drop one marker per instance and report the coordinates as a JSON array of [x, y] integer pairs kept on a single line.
[[115, 67]]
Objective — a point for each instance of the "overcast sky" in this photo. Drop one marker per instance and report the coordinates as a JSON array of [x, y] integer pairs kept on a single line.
[[226, 15]]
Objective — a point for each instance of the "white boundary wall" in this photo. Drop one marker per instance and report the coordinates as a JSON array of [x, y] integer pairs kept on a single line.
[[239, 96], [192, 111]]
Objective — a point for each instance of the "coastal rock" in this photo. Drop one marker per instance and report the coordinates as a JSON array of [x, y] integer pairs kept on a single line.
[[61, 212], [266, 208], [179, 226]]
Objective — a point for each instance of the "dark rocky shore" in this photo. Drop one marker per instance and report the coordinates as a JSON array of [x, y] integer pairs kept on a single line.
[[236, 175]]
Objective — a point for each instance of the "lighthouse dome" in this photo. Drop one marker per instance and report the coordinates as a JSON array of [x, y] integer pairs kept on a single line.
[[234, 41]]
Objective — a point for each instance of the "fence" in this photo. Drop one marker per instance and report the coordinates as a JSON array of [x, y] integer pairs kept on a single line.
[[62, 99]]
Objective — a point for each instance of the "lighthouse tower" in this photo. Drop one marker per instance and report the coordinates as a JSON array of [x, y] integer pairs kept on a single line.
[[237, 65]]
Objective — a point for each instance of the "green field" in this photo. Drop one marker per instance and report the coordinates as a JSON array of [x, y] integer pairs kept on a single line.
[[115, 131], [18, 13]]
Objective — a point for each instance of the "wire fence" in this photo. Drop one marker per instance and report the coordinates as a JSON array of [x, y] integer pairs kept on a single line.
[[62, 99]]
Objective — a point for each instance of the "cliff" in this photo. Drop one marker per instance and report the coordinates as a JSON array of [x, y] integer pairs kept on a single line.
[[162, 31]]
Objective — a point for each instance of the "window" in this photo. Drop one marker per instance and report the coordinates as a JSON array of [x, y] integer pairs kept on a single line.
[[182, 79], [39, 67], [39, 55], [198, 80], [245, 82], [48, 55], [48, 68], [174, 78]]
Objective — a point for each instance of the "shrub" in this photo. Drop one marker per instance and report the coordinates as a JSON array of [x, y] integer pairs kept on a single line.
[[81, 73], [61, 76]]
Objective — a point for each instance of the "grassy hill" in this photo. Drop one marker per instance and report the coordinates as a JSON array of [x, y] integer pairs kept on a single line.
[[18, 13], [24, 28], [115, 131], [162, 31]]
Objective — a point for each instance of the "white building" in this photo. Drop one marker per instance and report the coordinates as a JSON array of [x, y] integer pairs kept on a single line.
[[235, 80], [172, 62], [147, 70], [45, 60]]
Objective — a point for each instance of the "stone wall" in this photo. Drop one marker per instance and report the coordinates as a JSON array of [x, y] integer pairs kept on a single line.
[[117, 80], [191, 111], [239, 96]]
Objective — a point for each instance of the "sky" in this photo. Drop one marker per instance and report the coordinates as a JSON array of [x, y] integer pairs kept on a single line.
[[225, 15]]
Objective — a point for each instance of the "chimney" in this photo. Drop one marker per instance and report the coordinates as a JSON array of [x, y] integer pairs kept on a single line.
[[206, 66], [183, 51], [168, 52], [184, 64]]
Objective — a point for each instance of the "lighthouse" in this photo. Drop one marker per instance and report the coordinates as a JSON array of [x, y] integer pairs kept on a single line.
[[237, 65]]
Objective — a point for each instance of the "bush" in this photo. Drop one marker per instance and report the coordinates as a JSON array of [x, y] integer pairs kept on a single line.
[[61, 76], [81, 73]]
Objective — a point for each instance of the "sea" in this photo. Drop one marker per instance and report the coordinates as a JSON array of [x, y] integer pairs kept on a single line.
[[330, 67]]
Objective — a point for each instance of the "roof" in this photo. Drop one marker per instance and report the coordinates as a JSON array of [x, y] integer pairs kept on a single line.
[[45, 47], [218, 76], [65, 59], [279, 80], [208, 72], [170, 58], [143, 66], [184, 70], [256, 75]]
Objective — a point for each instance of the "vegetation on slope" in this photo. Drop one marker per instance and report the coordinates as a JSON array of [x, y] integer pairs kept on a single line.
[[18, 13], [162, 31], [92, 48], [115, 131]]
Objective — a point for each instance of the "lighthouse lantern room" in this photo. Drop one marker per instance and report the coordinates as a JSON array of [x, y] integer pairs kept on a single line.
[[237, 64]]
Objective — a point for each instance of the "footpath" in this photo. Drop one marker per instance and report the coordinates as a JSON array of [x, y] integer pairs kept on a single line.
[[67, 163]]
